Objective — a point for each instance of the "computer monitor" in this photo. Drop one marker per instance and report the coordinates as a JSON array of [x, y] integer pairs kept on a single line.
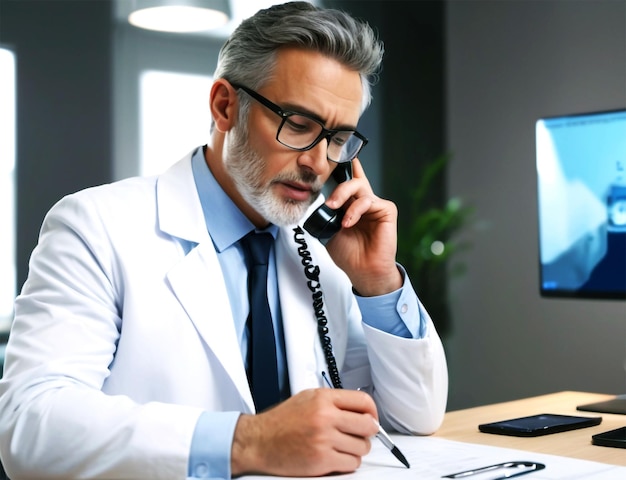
[[581, 180], [581, 168]]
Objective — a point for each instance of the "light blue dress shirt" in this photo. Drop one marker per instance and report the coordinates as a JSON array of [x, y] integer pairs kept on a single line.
[[396, 313]]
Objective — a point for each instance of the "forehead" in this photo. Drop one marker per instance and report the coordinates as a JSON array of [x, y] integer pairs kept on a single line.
[[316, 83]]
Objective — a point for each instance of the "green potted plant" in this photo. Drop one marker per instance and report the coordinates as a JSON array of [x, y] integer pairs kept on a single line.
[[428, 244]]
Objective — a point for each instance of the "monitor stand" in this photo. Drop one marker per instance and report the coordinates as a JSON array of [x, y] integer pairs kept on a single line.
[[615, 405]]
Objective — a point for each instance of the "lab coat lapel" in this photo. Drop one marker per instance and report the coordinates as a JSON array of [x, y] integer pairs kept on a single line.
[[197, 281], [199, 286]]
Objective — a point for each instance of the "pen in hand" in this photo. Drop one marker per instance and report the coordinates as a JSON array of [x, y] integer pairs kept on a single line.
[[386, 440], [382, 436]]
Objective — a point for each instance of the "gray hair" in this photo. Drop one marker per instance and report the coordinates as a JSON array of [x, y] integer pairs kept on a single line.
[[248, 57]]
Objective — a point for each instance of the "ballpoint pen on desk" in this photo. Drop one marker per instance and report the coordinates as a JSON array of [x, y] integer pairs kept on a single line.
[[381, 435]]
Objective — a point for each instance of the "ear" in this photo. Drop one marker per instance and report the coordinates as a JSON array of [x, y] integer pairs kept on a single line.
[[224, 105]]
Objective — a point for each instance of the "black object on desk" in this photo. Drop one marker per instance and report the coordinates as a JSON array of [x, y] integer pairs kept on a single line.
[[612, 438], [537, 425], [615, 405]]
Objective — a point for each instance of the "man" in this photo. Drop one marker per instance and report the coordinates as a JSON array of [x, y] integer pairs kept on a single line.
[[129, 353]]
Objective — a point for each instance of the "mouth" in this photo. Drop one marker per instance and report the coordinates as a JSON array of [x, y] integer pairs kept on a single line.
[[296, 191]]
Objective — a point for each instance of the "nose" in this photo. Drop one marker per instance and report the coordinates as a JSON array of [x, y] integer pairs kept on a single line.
[[315, 159]]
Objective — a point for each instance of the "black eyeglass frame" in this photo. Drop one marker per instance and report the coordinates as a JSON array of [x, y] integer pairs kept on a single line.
[[325, 134]]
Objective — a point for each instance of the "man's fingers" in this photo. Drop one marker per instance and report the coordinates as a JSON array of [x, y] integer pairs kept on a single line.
[[354, 401]]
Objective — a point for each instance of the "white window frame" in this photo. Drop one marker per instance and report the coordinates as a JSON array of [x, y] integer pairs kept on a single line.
[[8, 95]]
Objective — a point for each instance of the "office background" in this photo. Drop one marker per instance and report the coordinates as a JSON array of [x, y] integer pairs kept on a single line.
[[461, 76]]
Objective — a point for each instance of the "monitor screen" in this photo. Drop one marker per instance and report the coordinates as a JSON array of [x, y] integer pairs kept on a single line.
[[581, 180]]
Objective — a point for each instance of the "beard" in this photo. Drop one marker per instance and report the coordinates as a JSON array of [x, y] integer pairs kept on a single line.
[[245, 166]]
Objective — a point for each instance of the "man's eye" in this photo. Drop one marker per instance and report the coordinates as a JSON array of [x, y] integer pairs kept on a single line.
[[341, 138], [300, 124]]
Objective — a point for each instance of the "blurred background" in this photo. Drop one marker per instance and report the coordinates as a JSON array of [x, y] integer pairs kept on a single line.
[[87, 98]]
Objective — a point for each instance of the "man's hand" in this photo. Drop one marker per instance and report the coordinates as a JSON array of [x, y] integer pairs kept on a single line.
[[365, 248], [313, 433]]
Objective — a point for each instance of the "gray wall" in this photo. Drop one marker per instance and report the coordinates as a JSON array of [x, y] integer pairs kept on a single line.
[[508, 63]]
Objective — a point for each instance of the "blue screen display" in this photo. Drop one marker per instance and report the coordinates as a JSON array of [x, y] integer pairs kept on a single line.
[[581, 186]]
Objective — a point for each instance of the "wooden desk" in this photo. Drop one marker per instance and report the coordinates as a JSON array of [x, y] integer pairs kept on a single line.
[[462, 425]]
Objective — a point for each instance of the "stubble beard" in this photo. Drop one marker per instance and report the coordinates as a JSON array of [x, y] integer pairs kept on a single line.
[[246, 167]]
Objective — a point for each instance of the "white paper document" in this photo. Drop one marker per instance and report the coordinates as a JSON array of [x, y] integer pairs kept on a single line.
[[434, 458]]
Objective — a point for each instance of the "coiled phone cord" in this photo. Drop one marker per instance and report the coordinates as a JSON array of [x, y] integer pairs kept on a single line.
[[312, 272]]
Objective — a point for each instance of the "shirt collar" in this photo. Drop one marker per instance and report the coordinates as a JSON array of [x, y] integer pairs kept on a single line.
[[225, 223]]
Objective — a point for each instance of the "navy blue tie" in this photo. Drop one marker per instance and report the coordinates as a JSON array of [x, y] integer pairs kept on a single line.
[[262, 366]]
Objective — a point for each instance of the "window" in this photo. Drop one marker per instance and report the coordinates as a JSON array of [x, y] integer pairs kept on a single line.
[[7, 187], [174, 117], [161, 88]]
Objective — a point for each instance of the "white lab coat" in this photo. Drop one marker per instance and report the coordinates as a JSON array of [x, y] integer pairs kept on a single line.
[[121, 340]]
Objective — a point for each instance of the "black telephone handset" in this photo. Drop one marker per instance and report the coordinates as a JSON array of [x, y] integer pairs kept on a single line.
[[325, 222]]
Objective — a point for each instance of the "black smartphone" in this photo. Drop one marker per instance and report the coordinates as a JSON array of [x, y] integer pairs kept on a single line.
[[324, 222], [536, 425], [612, 438]]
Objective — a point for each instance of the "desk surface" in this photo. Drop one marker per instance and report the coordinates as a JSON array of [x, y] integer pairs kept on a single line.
[[462, 425]]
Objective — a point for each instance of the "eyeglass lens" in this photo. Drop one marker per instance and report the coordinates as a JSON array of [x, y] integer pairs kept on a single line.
[[300, 132]]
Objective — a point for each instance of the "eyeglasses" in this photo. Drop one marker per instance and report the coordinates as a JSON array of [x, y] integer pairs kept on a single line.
[[302, 132]]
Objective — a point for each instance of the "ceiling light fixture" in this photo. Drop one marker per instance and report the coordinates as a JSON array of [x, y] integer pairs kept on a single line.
[[179, 15]]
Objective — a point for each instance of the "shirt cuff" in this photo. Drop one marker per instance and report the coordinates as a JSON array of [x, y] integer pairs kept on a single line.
[[397, 313], [211, 445]]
